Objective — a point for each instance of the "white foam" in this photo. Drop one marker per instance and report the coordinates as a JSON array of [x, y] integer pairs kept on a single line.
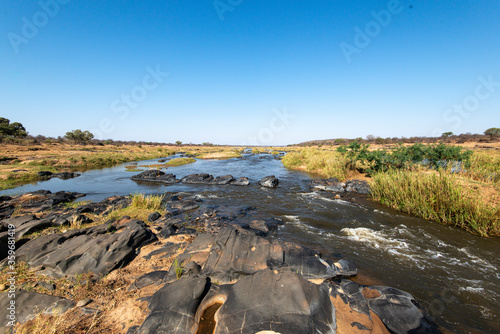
[[471, 289], [374, 239]]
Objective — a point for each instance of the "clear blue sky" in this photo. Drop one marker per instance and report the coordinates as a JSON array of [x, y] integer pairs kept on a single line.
[[329, 68]]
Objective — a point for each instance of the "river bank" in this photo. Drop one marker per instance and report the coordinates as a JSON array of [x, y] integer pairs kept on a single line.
[[468, 197], [21, 163]]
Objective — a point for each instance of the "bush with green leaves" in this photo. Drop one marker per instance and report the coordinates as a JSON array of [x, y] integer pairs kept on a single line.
[[79, 136], [492, 132], [402, 157]]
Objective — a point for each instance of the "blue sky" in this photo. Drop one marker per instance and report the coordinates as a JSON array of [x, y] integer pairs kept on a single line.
[[250, 72]]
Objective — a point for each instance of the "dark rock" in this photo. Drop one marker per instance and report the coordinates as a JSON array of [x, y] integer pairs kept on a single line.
[[259, 226], [66, 175], [46, 285], [198, 178], [229, 255], [226, 179], [153, 175], [358, 186], [44, 174], [105, 206], [277, 301], [242, 181], [172, 212], [269, 181], [167, 250], [28, 224], [132, 330], [168, 230], [4, 198], [42, 200], [153, 217], [331, 184], [63, 175], [396, 309], [154, 277], [186, 230], [185, 205], [173, 307], [191, 269], [30, 304], [92, 249]]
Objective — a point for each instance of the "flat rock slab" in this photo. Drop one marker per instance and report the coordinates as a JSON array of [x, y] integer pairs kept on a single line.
[[96, 249], [153, 175], [29, 304]]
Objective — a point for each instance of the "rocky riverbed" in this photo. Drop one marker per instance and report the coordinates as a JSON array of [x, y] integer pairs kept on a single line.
[[194, 269]]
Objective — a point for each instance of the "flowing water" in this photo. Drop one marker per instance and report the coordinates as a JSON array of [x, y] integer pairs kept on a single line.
[[454, 275]]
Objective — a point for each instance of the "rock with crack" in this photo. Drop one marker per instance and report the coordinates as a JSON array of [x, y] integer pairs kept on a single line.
[[99, 249]]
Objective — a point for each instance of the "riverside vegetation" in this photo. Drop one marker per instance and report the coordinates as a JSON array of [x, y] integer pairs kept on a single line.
[[21, 162], [444, 183]]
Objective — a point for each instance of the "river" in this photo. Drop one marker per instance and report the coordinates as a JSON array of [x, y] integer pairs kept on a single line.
[[453, 275]]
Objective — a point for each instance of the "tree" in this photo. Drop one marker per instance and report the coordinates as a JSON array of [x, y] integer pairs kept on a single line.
[[370, 137], [492, 132], [447, 134], [79, 136], [178, 142], [12, 129]]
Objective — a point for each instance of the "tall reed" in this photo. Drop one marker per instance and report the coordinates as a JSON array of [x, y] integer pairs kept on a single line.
[[436, 196]]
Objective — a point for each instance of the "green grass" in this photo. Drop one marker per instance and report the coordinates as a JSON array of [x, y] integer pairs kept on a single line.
[[438, 197]]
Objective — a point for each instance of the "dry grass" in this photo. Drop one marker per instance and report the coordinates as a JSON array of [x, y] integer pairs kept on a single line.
[[322, 162], [221, 155]]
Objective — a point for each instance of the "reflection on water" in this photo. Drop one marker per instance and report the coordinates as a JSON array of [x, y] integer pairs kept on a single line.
[[454, 275]]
